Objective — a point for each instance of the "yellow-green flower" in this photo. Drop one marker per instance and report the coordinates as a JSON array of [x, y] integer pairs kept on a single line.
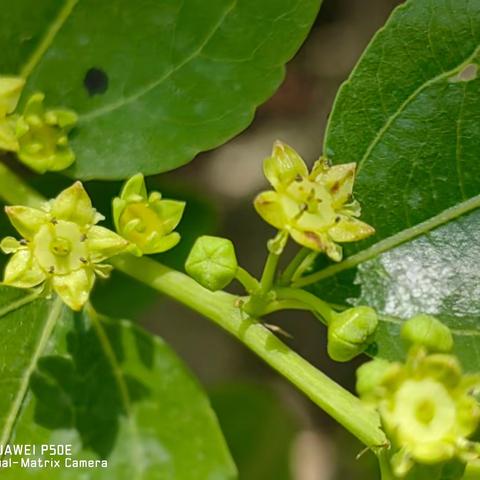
[[61, 245], [315, 208], [147, 221], [43, 136], [426, 406], [10, 90]]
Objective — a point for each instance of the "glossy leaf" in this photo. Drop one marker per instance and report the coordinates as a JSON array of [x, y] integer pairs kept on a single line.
[[110, 390], [154, 83], [408, 115]]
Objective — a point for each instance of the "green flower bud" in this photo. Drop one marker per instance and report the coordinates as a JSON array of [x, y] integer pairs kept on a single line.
[[146, 221], [61, 246], [427, 409], [10, 90], [351, 332], [371, 375], [427, 331], [315, 209], [212, 262], [43, 136]]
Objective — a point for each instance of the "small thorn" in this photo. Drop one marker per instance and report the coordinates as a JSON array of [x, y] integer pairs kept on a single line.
[[277, 329], [362, 453]]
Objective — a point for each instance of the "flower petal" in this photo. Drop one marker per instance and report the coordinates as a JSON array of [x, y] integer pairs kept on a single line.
[[10, 90], [350, 230], [318, 242], [170, 212], [134, 187], [283, 166], [338, 180], [23, 271], [10, 245], [102, 243], [269, 206], [74, 288], [74, 205], [8, 139], [162, 244], [27, 221]]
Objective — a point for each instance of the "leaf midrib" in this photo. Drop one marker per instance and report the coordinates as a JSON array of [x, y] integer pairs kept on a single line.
[[459, 332], [47, 40], [393, 241], [408, 100], [16, 304], [54, 315], [102, 336], [154, 84]]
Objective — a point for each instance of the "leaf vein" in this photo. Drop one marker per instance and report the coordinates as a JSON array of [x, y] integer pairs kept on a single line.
[[152, 85], [405, 104], [48, 38], [393, 241], [12, 415]]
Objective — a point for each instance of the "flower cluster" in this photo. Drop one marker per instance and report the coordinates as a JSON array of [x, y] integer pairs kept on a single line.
[[147, 221], [38, 136], [43, 136], [61, 246], [427, 404], [316, 208]]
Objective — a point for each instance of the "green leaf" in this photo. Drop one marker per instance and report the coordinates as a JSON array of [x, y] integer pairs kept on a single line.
[[154, 83], [409, 116], [259, 430], [109, 389]]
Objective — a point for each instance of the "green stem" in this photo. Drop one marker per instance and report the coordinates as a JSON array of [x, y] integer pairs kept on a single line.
[[278, 305], [304, 266], [385, 467], [220, 307], [250, 283], [311, 301], [293, 266], [269, 271], [15, 191]]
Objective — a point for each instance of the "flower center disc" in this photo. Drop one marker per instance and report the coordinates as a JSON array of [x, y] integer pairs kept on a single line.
[[60, 246]]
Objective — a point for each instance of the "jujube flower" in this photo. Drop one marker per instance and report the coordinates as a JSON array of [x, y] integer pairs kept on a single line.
[[316, 209], [61, 246], [147, 221]]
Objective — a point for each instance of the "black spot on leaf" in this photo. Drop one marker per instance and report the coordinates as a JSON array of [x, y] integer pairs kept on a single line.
[[96, 81]]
